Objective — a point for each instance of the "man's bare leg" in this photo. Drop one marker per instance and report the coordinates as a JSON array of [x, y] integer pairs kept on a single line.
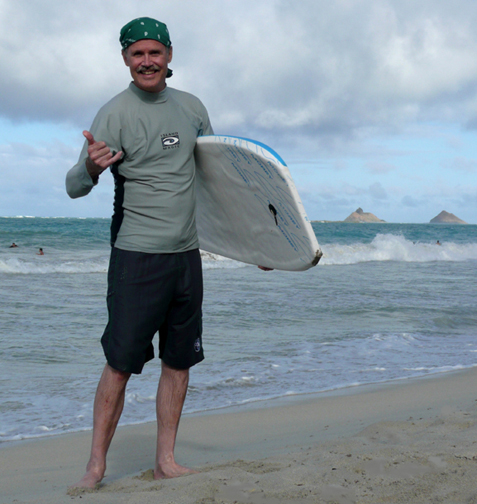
[[171, 395], [108, 406]]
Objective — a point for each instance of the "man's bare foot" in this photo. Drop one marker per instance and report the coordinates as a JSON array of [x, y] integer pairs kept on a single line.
[[90, 481], [173, 470]]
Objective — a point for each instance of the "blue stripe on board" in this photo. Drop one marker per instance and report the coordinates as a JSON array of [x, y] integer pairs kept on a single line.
[[260, 144]]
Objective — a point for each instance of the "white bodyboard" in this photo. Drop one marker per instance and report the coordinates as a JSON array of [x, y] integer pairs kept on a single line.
[[248, 208]]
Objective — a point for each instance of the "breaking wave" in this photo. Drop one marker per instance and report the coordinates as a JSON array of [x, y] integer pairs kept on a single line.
[[389, 247]]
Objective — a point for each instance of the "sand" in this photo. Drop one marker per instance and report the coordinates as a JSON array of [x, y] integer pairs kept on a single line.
[[411, 441]]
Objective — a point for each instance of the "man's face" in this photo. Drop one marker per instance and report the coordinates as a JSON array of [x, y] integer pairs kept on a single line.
[[147, 61]]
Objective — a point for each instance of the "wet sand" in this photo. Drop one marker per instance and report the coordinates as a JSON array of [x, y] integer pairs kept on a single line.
[[411, 441]]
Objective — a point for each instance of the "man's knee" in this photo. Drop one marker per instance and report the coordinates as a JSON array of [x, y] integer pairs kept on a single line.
[[174, 373], [117, 375]]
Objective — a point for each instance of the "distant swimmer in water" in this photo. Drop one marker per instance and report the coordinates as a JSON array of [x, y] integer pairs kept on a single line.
[[40, 252], [13, 245], [438, 242]]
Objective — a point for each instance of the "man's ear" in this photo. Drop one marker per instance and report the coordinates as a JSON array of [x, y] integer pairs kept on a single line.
[[170, 55], [125, 58]]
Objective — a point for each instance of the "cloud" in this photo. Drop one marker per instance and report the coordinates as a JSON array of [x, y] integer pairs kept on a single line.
[[315, 68], [378, 167], [461, 164], [359, 95], [411, 202], [35, 182], [377, 191]]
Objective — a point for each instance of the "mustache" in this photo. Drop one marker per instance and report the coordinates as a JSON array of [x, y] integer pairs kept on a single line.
[[148, 68]]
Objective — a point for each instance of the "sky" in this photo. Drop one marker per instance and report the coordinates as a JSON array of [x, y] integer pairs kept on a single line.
[[371, 103]]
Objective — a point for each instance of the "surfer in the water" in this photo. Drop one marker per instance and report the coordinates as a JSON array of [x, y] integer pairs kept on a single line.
[[147, 134]]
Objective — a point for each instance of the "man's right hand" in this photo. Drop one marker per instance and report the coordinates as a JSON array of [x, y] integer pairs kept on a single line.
[[100, 156]]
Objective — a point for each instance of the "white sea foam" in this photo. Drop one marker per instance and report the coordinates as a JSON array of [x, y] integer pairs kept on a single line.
[[215, 261], [43, 265], [384, 247], [436, 369], [82, 262], [389, 247]]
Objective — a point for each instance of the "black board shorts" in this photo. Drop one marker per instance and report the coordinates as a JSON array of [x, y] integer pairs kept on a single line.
[[148, 293]]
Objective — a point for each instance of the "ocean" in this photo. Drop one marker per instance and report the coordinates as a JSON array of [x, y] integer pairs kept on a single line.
[[386, 302]]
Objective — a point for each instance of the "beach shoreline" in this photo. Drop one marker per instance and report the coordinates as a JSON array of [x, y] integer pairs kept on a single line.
[[407, 441]]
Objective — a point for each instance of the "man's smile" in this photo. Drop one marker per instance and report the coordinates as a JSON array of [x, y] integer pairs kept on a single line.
[[148, 70]]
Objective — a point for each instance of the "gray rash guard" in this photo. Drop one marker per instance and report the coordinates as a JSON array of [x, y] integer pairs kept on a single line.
[[154, 208]]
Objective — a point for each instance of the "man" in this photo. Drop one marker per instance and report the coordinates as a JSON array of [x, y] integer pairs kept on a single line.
[[147, 134]]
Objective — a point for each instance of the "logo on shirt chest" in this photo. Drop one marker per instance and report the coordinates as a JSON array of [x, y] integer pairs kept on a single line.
[[170, 140]]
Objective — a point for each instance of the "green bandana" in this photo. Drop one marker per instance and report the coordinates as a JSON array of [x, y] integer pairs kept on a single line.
[[144, 28]]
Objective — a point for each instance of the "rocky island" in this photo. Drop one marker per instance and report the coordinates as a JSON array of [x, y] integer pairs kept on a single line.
[[446, 218], [359, 216]]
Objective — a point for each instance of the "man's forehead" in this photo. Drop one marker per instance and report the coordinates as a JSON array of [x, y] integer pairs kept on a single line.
[[146, 44]]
